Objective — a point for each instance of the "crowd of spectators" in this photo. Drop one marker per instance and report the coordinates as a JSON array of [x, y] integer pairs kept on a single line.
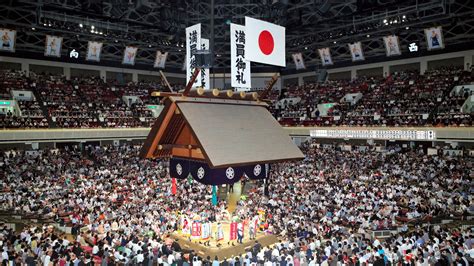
[[323, 208], [12, 80], [401, 99], [76, 103]]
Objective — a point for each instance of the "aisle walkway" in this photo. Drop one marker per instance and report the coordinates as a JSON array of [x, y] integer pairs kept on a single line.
[[233, 198]]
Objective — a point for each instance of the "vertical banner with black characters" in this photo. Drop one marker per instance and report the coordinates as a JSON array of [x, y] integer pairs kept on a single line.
[[434, 38], [129, 55], [160, 60], [205, 76], [325, 55], [53, 46], [93, 51], [356, 51], [240, 67], [193, 43], [298, 59], [7, 40], [392, 45]]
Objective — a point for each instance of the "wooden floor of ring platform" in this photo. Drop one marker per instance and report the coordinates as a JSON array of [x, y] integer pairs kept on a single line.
[[226, 250]]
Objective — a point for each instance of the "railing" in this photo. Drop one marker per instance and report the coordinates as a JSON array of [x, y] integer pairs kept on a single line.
[[98, 134]]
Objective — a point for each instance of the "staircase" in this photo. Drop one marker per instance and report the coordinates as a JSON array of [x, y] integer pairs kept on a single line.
[[44, 109], [468, 105]]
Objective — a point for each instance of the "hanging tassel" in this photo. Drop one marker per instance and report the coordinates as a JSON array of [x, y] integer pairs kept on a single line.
[[173, 186], [214, 195]]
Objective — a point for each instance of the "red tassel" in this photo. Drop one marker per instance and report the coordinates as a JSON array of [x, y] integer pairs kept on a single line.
[[173, 186]]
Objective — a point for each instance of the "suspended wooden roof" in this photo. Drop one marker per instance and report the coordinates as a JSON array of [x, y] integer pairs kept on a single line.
[[220, 131]]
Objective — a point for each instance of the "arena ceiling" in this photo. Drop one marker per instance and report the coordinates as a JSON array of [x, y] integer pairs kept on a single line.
[[159, 25]]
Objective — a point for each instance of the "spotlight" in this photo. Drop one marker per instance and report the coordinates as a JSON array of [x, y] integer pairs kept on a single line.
[[92, 31], [335, 42], [306, 48], [407, 28], [80, 25], [101, 33], [116, 40], [385, 21], [404, 17], [33, 28], [395, 21], [368, 35], [149, 46], [49, 24], [92, 27]]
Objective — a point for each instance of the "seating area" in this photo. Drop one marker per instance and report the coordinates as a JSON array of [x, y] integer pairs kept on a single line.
[[75, 103], [402, 99], [12, 80], [119, 209]]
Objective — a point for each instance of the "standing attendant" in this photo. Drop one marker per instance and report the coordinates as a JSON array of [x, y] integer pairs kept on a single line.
[[240, 232], [243, 181]]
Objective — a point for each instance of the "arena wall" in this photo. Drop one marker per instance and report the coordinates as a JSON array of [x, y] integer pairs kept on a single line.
[[109, 135]]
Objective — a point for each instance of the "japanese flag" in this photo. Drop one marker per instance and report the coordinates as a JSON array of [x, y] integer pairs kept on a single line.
[[266, 42]]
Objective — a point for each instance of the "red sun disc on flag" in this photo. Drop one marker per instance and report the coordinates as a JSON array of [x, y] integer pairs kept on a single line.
[[265, 42]]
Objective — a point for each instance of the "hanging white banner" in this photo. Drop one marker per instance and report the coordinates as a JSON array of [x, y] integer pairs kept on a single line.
[[53, 46], [129, 55], [7, 40], [299, 62], [240, 67], [160, 59], [205, 75], [356, 51], [434, 38], [325, 55], [93, 51], [392, 45], [193, 43]]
